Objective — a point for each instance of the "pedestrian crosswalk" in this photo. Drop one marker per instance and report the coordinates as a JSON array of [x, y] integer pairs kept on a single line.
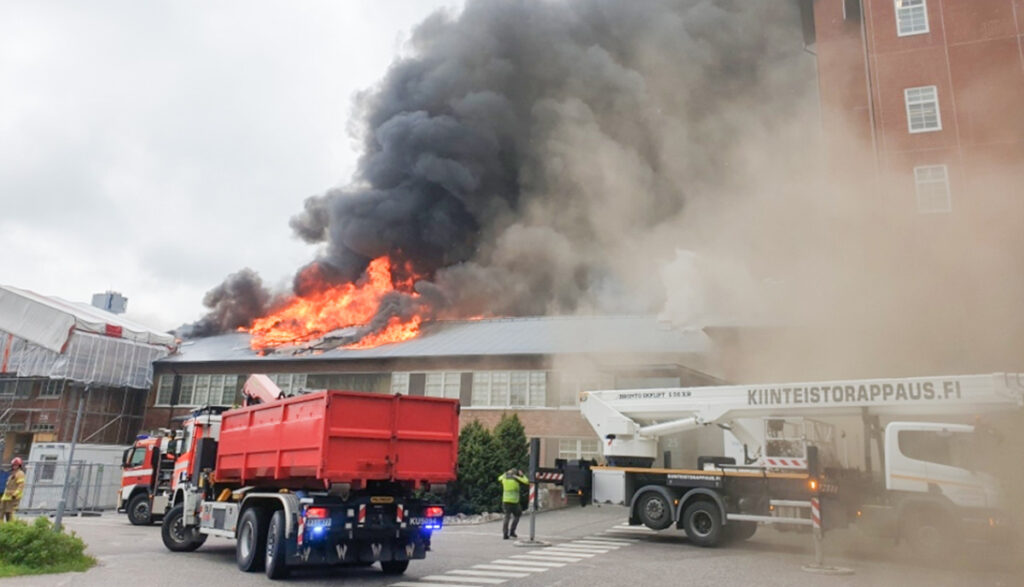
[[518, 566]]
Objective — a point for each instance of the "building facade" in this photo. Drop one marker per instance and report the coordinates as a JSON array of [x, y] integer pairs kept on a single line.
[[921, 104], [532, 367]]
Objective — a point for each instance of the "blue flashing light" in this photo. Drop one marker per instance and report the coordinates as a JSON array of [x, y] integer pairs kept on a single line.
[[317, 532], [142, 437]]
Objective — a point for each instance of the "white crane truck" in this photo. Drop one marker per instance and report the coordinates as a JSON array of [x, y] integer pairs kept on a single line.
[[928, 490]]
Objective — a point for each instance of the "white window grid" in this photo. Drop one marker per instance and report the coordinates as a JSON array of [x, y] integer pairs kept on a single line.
[[52, 388], [400, 382], [922, 109], [911, 17], [579, 448], [443, 384], [932, 186], [199, 390], [509, 389]]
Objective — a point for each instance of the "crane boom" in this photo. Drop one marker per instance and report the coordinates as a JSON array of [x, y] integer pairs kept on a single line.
[[632, 420]]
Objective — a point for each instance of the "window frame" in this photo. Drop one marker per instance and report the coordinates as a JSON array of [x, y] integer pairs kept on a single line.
[[908, 17], [921, 184], [907, 103]]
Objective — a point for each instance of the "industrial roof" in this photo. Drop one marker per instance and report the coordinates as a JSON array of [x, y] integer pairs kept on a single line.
[[547, 335]]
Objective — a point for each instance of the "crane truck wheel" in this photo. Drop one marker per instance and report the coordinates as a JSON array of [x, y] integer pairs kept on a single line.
[[928, 534], [275, 551], [252, 540], [702, 522], [176, 536], [394, 567], [654, 510], [139, 511]]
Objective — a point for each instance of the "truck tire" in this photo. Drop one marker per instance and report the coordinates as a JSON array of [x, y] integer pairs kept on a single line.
[[394, 567], [740, 531], [177, 537], [654, 510], [252, 540], [139, 513], [275, 560], [928, 534], [702, 522]]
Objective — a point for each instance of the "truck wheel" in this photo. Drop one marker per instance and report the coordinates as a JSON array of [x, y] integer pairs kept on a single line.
[[139, 510], [275, 563], [654, 511], [252, 540], [394, 567], [740, 531], [177, 537], [928, 535], [703, 523]]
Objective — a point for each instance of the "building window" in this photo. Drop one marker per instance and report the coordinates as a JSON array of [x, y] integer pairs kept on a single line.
[[200, 390], [922, 109], [290, 383], [400, 383], [52, 388], [579, 448], [513, 389], [47, 468], [911, 17], [932, 183], [443, 384]]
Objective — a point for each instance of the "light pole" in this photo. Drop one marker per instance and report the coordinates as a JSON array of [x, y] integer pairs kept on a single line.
[[71, 455]]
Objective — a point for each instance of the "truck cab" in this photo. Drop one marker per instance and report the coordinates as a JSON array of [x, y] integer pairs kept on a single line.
[[146, 469]]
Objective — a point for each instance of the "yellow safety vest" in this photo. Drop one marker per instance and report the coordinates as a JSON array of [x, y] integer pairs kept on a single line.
[[510, 487]]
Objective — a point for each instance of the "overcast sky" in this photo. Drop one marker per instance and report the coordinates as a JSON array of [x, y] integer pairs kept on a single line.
[[153, 148]]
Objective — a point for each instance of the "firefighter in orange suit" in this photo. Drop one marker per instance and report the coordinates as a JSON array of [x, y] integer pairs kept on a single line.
[[12, 493]]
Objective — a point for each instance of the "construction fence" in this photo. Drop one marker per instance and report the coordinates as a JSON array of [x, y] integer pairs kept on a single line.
[[92, 487]]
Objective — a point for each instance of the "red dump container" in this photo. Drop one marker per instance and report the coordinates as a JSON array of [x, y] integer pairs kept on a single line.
[[314, 440]]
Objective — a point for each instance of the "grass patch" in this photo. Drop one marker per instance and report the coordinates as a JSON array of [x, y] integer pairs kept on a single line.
[[35, 549]]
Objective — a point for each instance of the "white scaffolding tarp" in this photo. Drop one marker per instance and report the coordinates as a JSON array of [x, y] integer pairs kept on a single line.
[[48, 337]]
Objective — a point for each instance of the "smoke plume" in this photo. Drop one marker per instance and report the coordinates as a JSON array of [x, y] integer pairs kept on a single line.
[[534, 157]]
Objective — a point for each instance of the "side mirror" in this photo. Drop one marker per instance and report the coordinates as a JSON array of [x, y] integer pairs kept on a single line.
[[124, 458]]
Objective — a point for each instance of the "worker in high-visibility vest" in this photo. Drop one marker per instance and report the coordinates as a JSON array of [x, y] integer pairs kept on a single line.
[[12, 493], [510, 481]]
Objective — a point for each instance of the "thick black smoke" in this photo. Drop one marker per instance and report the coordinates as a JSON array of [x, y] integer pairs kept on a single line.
[[524, 151], [233, 304]]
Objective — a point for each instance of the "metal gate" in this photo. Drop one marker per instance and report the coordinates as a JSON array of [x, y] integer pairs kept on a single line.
[[92, 487]]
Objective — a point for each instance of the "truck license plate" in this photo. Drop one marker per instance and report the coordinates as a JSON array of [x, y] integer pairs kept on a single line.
[[312, 523]]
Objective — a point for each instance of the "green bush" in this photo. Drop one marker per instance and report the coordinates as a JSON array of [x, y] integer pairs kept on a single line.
[[38, 546]]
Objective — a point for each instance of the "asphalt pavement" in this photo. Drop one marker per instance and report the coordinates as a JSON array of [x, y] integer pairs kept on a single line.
[[584, 547]]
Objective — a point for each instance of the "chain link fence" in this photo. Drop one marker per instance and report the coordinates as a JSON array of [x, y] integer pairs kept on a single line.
[[92, 487]]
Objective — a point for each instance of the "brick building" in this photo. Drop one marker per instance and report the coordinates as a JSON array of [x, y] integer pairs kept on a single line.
[[57, 357], [533, 367], [922, 105]]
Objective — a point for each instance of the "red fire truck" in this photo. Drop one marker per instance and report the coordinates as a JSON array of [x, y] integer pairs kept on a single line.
[[146, 477], [326, 478]]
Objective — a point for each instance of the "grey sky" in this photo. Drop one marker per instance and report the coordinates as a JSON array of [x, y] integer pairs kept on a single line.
[[155, 147]]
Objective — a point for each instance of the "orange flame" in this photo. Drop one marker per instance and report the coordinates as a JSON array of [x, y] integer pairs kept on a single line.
[[336, 306]]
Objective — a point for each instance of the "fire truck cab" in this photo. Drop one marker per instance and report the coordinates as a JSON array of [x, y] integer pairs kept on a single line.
[[146, 477]]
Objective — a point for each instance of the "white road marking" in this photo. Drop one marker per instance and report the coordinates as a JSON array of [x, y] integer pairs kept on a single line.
[[510, 568], [488, 574], [569, 552], [613, 540], [463, 580], [541, 556], [508, 561], [584, 548], [424, 584], [596, 543]]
